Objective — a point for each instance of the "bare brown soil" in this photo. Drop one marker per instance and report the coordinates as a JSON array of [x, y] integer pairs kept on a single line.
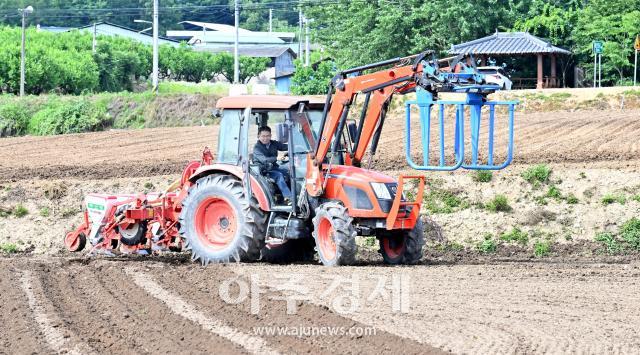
[[605, 137], [97, 307]]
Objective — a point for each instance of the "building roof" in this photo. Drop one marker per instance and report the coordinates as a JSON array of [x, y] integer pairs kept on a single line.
[[102, 29], [266, 101], [250, 51], [224, 37], [508, 43], [214, 26]]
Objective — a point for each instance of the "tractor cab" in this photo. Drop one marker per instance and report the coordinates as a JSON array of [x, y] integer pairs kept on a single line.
[[294, 120]]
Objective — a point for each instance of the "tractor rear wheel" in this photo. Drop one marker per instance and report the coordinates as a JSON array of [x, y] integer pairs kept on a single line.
[[218, 224], [334, 234], [402, 247]]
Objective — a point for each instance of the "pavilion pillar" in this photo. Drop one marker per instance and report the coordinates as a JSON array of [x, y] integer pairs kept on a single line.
[[539, 81], [554, 77]]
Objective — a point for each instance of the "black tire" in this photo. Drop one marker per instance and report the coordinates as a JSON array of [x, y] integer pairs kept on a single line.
[[131, 236], [342, 233], [247, 221], [402, 247], [295, 250]]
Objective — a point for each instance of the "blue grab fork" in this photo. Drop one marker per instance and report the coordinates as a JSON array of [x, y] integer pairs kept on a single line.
[[475, 101]]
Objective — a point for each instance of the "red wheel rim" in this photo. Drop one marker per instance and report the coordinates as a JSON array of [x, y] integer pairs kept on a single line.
[[72, 241], [215, 222], [326, 241], [393, 246]]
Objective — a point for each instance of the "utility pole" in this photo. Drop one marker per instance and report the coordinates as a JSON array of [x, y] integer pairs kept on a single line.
[[600, 70], [26, 11], [155, 46], [300, 53], [236, 63], [94, 43], [306, 57], [270, 20]]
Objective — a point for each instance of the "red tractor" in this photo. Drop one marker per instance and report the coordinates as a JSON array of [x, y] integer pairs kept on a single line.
[[226, 210]]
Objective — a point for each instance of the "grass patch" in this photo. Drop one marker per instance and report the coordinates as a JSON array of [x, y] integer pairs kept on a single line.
[[630, 233], [9, 248], [45, 212], [610, 243], [572, 199], [20, 211], [487, 245], [636, 198], [443, 201], [205, 88], [482, 176], [499, 203], [541, 248], [148, 185], [69, 212], [554, 193], [538, 174], [609, 199], [515, 235]]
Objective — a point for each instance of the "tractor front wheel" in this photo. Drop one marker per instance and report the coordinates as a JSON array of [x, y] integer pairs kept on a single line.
[[402, 247], [218, 224], [334, 234]]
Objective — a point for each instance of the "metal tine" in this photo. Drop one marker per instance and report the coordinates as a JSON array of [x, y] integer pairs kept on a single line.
[[441, 115], [425, 120], [492, 111], [476, 115]]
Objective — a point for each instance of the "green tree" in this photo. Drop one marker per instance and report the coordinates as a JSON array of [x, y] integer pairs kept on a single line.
[[310, 81]]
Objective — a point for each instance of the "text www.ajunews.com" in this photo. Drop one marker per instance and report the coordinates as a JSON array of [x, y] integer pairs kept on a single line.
[[309, 331]]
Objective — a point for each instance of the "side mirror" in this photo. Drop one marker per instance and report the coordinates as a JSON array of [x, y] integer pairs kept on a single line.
[[217, 113], [282, 132], [352, 129]]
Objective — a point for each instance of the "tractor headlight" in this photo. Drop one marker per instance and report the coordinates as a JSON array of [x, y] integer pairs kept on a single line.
[[381, 190]]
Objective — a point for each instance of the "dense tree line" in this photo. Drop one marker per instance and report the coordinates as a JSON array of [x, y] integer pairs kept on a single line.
[[65, 63], [358, 32], [76, 13]]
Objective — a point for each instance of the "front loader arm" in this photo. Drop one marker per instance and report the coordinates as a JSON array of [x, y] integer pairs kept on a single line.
[[379, 88]]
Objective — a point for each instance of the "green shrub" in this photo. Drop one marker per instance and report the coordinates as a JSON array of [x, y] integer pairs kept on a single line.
[[148, 185], [9, 248], [630, 233], [538, 174], [499, 203], [610, 242], [613, 198], [487, 245], [554, 193], [515, 235], [14, 118], [69, 116], [45, 212], [482, 176], [541, 248], [20, 211], [636, 198]]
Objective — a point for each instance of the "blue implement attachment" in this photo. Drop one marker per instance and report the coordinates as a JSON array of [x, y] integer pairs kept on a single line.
[[475, 100]]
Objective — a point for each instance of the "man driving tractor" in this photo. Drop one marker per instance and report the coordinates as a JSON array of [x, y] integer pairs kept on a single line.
[[265, 153]]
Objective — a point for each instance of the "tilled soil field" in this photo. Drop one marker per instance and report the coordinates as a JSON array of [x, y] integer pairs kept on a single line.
[[576, 297], [169, 305], [604, 137]]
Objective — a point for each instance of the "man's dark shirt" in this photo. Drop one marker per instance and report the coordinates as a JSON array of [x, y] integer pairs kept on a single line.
[[267, 155]]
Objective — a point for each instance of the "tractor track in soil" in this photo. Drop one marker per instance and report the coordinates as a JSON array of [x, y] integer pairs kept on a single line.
[[102, 306], [606, 138]]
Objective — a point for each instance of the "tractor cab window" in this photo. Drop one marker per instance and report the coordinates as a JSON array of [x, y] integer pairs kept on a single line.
[[228, 151], [263, 118]]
